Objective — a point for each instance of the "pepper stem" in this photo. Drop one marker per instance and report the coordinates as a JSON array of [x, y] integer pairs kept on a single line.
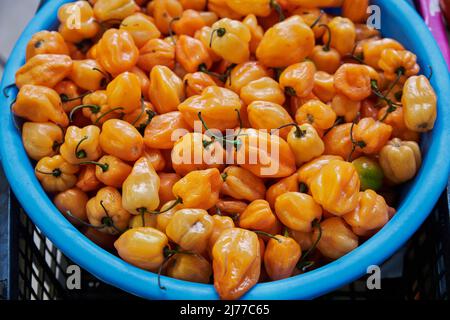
[[234, 142], [6, 89], [327, 46], [303, 263], [80, 154], [299, 133], [262, 233], [94, 109], [103, 166], [317, 20], [65, 98], [276, 6], [56, 172], [69, 213], [220, 33], [173, 205], [106, 113]]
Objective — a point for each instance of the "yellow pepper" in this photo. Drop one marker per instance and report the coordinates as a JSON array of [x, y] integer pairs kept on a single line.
[[241, 184], [167, 212], [124, 92], [56, 174], [40, 104], [75, 31], [221, 223], [244, 73], [189, 267], [44, 42], [400, 160], [258, 216], [286, 43], [166, 89], [343, 35], [261, 8], [190, 229], [288, 184], [419, 104], [41, 139], [141, 28], [281, 257], [308, 171], [145, 220], [298, 79], [73, 200], [263, 89], [81, 145], [105, 10], [140, 189], [256, 31], [88, 74], [268, 115]]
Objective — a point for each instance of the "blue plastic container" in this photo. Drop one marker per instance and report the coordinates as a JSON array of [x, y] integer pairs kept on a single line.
[[400, 21]]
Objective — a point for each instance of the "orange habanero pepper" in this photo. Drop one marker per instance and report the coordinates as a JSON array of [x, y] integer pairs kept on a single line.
[[241, 184], [81, 145], [263, 89], [298, 79], [166, 90], [195, 83], [189, 267], [46, 42], [191, 54], [73, 201], [318, 114], [164, 13], [258, 216], [56, 174], [156, 52], [88, 74], [76, 31], [87, 181], [371, 135], [288, 184], [281, 257], [41, 139], [124, 92], [353, 81], [105, 10], [141, 28], [343, 35]]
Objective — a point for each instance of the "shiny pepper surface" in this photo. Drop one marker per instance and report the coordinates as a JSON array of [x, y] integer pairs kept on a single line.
[[164, 13], [370, 214], [353, 81], [46, 42], [140, 189], [394, 61], [305, 143], [336, 187], [288, 184], [355, 10], [112, 171], [199, 189], [258, 216], [125, 92], [343, 35], [167, 211], [105, 211], [40, 104], [268, 115], [370, 173], [105, 10], [191, 54], [189, 267], [297, 211], [244, 73], [298, 79], [345, 107], [88, 74], [318, 114], [189, 22], [121, 139], [41, 139], [158, 133], [263, 89], [419, 104], [221, 223], [195, 83], [156, 52], [326, 59], [190, 229], [166, 90], [217, 106], [69, 93], [142, 247], [281, 257], [274, 158], [230, 40], [44, 70], [194, 4], [286, 43], [256, 31], [324, 86], [372, 134], [309, 170], [236, 262], [372, 50], [101, 111], [241, 184], [141, 28], [261, 8], [337, 238], [338, 143], [400, 160], [167, 180], [87, 181], [117, 52], [221, 8], [74, 201], [396, 119], [56, 174], [81, 145], [73, 30]]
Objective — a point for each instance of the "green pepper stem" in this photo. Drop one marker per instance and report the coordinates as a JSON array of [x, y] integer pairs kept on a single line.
[[94, 109], [65, 98], [173, 205], [220, 33], [55, 172], [97, 121], [317, 20], [327, 46], [80, 154], [171, 33], [355, 143], [303, 263], [262, 233], [234, 142], [276, 6], [169, 254], [108, 221], [6, 89], [103, 166], [299, 133], [69, 213]]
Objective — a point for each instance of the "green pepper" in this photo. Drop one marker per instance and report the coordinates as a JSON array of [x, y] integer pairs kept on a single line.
[[370, 173]]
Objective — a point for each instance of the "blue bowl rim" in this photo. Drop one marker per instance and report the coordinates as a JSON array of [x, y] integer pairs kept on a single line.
[[424, 192]]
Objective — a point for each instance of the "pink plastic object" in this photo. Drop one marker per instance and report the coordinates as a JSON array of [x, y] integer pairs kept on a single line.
[[433, 16]]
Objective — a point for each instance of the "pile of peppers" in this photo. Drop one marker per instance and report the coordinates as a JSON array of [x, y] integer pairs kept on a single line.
[[102, 96]]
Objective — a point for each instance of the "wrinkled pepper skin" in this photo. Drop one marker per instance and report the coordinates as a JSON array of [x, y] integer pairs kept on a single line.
[[392, 61], [142, 247], [158, 134], [191, 54], [288, 184], [46, 42], [105, 10], [263, 89], [113, 171], [316, 113], [69, 29], [85, 75], [156, 52], [353, 81], [400, 160], [281, 257], [189, 267], [374, 134], [298, 79], [190, 229], [309, 170], [81, 145], [336, 187], [141, 28], [297, 211], [124, 92], [41, 139], [305, 143], [166, 90], [107, 205], [286, 43], [195, 83], [220, 223], [343, 35], [419, 104], [87, 181], [236, 263], [241, 184], [268, 115], [199, 189], [258, 216], [140, 189], [56, 174], [371, 214], [40, 104]]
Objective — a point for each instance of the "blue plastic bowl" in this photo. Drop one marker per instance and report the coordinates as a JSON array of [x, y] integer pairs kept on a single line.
[[399, 21]]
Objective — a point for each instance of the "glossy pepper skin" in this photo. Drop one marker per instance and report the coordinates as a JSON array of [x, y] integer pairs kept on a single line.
[[241, 184], [316, 113], [297, 211], [167, 211], [261, 8], [86, 76], [44, 70], [81, 145], [298, 79], [199, 189], [189, 267], [217, 106], [220, 223], [156, 52], [164, 11], [236, 262], [105, 211], [191, 54], [56, 174], [69, 28], [158, 134], [268, 115], [373, 133], [258, 216], [190, 229], [281, 257], [230, 40], [309, 170], [370, 215], [166, 90], [124, 92], [190, 21], [195, 83], [355, 10], [112, 171], [288, 184], [105, 10], [87, 181], [102, 112], [141, 28], [46, 42], [305, 143], [343, 35], [338, 143], [121, 139], [326, 58], [419, 104], [286, 43], [73, 200], [244, 73], [167, 180], [324, 86], [392, 61], [353, 81], [263, 89], [142, 247], [336, 186], [140, 189], [372, 50], [396, 119], [337, 238], [256, 31], [41, 139], [40, 104], [345, 107], [68, 92], [117, 52], [370, 173], [400, 160]]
